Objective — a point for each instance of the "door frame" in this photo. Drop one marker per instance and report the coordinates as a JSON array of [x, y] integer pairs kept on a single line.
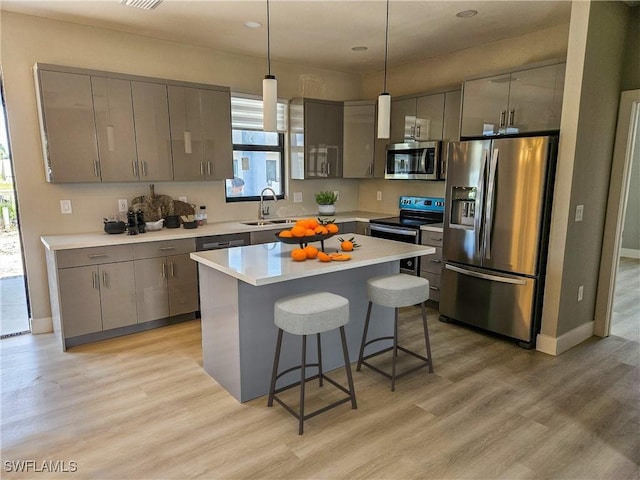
[[627, 130]]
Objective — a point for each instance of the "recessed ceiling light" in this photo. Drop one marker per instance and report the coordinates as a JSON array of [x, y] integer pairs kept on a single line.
[[467, 13], [360, 48], [144, 4], [252, 24]]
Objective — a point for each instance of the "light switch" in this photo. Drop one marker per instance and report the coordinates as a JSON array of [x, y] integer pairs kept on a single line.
[[123, 205], [297, 197], [379, 195], [579, 213], [65, 207]]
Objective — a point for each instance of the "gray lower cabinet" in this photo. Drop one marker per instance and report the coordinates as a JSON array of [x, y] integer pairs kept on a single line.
[[362, 228], [166, 280], [431, 265]]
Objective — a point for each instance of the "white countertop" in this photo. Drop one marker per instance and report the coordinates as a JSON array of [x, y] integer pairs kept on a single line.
[[271, 262], [102, 239]]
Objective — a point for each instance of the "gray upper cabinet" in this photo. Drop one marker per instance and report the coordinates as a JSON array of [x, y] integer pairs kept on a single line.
[[316, 129], [417, 118], [114, 129], [529, 100], [153, 138], [359, 138], [67, 126], [452, 106], [200, 133]]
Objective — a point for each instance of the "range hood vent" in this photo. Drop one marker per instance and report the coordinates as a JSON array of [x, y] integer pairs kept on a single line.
[[144, 4]]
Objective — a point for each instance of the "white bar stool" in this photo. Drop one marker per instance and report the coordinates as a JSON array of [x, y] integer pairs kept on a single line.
[[396, 290], [309, 314]]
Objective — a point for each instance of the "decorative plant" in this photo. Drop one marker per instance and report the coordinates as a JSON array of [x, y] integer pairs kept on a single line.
[[326, 198]]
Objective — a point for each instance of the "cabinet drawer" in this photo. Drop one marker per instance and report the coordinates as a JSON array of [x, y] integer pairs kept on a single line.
[[434, 285], [93, 256], [163, 248], [432, 263], [427, 237]]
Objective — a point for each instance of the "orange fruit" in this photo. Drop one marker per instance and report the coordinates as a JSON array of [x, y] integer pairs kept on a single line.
[[346, 246], [299, 254], [309, 232], [332, 228], [320, 230], [285, 234], [311, 251], [298, 231], [303, 222], [323, 257], [312, 223]]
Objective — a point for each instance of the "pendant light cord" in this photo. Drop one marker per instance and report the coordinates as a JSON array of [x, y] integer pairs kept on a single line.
[[268, 40], [386, 47]]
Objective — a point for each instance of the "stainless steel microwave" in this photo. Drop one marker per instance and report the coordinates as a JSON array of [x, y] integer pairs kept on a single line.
[[413, 161]]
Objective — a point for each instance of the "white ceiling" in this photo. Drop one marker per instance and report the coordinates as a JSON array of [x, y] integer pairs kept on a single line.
[[314, 32]]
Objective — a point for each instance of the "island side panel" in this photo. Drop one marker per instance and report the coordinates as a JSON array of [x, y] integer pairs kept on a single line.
[[220, 328], [258, 332]]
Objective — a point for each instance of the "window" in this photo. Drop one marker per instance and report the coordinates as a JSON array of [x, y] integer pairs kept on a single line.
[[258, 157]]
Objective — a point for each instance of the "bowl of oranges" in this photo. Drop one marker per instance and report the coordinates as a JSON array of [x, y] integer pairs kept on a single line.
[[307, 230]]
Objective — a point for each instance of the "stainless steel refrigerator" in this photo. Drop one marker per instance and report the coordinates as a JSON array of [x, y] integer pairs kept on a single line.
[[497, 216]]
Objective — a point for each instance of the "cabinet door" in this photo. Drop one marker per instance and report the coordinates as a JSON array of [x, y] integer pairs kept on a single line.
[[403, 120], [152, 300], [153, 137], [430, 117], [534, 102], [314, 135], [216, 131], [186, 133], [69, 130], [114, 129], [117, 295], [334, 131], [484, 106], [80, 300], [452, 105], [359, 140], [183, 284]]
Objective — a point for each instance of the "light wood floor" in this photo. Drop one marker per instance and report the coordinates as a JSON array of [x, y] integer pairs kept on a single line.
[[142, 407]]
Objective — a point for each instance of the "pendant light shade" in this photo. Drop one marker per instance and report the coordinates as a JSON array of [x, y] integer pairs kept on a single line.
[[269, 90], [270, 103], [384, 100]]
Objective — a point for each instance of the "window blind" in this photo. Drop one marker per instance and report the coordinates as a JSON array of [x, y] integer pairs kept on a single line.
[[246, 112]]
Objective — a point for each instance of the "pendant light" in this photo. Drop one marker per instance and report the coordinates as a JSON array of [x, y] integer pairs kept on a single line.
[[269, 90], [384, 100]]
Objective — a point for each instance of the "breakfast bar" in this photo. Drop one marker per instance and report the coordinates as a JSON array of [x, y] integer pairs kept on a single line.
[[238, 288]]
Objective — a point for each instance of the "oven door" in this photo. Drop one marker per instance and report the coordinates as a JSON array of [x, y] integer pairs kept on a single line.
[[399, 234], [412, 161]]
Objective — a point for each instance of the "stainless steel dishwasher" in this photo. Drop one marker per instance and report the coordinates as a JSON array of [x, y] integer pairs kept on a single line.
[[216, 242]]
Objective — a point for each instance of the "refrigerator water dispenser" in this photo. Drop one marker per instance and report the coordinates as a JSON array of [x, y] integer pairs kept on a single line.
[[463, 208]]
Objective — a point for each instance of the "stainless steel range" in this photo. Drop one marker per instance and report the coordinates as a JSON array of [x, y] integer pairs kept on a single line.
[[414, 212]]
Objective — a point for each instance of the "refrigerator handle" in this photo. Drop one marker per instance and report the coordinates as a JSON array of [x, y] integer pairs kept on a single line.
[[485, 276], [491, 190], [477, 218]]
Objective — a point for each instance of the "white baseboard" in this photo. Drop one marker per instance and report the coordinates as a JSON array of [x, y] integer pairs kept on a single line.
[[555, 346], [629, 253], [41, 325]]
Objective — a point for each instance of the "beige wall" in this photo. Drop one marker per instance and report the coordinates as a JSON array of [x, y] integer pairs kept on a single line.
[[27, 40], [596, 45]]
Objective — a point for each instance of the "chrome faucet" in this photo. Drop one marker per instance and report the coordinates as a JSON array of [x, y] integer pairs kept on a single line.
[[264, 210]]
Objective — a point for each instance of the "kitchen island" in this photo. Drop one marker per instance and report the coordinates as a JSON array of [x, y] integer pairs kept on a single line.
[[238, 287]]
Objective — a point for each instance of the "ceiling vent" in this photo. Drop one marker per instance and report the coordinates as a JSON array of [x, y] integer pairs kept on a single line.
[[143, 4]]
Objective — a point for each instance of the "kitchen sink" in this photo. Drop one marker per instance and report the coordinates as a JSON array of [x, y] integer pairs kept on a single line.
[[275, 221]]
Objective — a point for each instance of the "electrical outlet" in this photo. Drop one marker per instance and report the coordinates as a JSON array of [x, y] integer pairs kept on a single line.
[[123, 205], [579, 213], [337, 194], [297, 197], [379, 195], [65, 207], [580, 292], [183, 199]]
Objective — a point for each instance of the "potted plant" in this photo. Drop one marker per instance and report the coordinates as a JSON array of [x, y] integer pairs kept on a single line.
[[326, 201]]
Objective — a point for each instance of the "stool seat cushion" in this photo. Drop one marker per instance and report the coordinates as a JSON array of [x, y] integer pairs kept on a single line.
[[311, 313], [398, 290]]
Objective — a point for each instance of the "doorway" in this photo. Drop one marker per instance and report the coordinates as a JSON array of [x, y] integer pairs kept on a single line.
[[14, 305], [618, 278]]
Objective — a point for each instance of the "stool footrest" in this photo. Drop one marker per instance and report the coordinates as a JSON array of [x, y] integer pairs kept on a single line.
[[385, 350]]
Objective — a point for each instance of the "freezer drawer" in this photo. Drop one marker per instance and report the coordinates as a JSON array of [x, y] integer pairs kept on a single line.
[[499, 303]]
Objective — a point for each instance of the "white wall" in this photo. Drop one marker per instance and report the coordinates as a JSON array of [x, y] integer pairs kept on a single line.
[[27, 40]]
